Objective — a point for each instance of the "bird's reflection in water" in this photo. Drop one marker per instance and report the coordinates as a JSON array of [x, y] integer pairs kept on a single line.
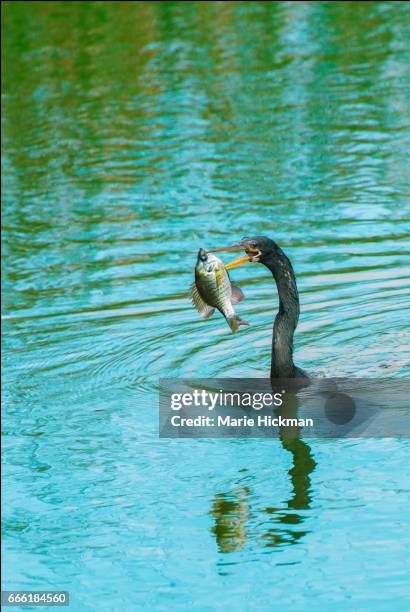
[[302, 466], [232, 509]]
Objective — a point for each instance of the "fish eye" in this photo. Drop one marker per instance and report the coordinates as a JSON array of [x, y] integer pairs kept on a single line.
[[210, 268]]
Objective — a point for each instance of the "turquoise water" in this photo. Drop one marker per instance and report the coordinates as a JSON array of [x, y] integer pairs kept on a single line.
[[133, 134]]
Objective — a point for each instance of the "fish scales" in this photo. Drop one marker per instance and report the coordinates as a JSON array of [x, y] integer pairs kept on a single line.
[[213, 289]]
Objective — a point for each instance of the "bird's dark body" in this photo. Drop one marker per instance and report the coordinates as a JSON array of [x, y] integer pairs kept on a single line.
[[265, 251], [286, 320]]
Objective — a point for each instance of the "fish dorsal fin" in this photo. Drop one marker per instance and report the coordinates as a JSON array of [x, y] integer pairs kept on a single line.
[[202, 307], [237, 294]]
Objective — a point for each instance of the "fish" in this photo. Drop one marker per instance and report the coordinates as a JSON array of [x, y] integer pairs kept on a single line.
[[214, 290]]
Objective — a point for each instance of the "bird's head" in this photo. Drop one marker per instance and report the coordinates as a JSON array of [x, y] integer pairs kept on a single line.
[[257, 249]]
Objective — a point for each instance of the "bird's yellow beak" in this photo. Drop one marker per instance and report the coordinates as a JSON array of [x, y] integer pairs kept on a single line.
[[242, 259]]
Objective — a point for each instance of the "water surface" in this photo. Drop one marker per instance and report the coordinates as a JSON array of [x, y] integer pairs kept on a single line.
[[134, 133]]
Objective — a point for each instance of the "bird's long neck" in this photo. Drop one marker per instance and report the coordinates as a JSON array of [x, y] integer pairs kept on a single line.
[[286, 320]]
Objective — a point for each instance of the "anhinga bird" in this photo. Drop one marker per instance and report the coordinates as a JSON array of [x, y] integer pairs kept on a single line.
[[265, 251], [237, 505]]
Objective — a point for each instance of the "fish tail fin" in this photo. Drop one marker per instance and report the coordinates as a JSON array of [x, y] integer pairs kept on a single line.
[[234, 322]]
